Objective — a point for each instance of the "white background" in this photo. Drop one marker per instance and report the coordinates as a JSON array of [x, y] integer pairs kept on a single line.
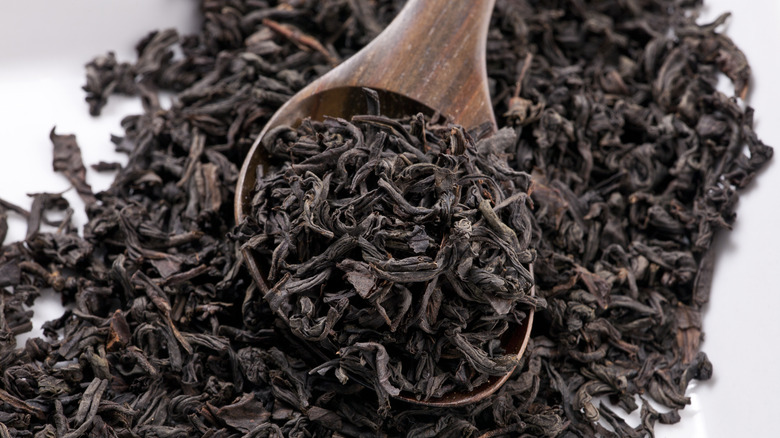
[[45, 43]]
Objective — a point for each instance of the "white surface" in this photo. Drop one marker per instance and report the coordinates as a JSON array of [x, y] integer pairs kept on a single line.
[[44, 45], [41, 73]]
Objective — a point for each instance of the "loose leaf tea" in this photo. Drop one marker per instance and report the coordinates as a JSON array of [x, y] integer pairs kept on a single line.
[[400, 245], [635, 161]]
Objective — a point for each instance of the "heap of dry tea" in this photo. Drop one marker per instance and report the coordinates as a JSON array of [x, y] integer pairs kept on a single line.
[[635, 158], [401, 250]]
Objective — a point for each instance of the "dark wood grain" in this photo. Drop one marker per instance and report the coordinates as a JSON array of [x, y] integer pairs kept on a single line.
[[431, 58]]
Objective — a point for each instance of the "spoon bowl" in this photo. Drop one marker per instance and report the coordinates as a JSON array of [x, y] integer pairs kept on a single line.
[[430, 59]]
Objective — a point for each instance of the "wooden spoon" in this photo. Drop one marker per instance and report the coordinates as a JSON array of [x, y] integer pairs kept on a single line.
[[431, 58]]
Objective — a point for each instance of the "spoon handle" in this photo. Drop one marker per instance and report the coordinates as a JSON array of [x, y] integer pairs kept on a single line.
[[432, 52]]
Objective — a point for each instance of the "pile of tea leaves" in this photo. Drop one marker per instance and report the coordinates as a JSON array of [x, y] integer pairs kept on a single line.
[[398, 248], [635, 159]]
